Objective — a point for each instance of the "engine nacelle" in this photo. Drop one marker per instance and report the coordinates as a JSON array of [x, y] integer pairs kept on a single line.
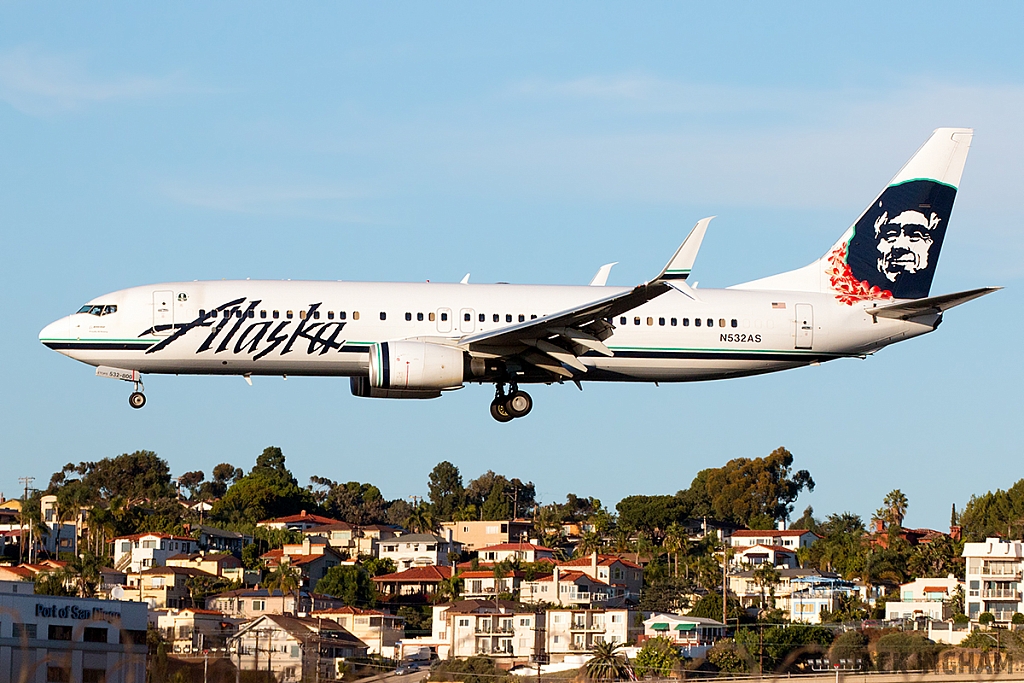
[[407, 366], [361, 387]]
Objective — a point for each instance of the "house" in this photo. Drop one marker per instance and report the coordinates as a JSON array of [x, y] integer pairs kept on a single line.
[[570, 588], [294, 648], [524, 552], [299, 522], [924, 598], [65, 526], [577, 631], [341, 536], [625, 576], [193, 630], [474, 535], [993, 578], [419, 550], [250, 603], [508, 632], [802, 593], [813, 595], [756, 555], [480, 583], [413, 581], [694, 636], [163, 587], [380, 632], [138, 552], [212, 539], [793, 539], [110, 579], [219, 564], [313, 560]]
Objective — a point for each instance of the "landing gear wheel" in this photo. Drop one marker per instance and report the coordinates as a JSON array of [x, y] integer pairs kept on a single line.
[[518, 404], [498, 410], [137, 399]]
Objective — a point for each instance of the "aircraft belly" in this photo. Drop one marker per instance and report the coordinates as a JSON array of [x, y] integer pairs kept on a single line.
[[681, 370]]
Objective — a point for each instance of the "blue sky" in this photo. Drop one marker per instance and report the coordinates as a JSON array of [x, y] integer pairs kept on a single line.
[[526, 142]]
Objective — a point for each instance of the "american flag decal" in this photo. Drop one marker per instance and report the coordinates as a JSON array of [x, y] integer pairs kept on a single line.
[[778, 304]]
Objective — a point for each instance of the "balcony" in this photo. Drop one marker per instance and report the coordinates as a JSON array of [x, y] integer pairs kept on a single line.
[[1001, 594], [582, 626], [1008, 573], [494, 630]]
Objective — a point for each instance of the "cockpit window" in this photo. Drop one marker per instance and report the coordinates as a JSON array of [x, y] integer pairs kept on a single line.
[[92, 309]]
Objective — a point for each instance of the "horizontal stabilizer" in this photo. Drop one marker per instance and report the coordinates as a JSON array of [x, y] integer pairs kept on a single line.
[[929, 306], [679, 266]]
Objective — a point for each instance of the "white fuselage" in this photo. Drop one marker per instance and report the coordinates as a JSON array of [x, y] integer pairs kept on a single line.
[[325, 328]]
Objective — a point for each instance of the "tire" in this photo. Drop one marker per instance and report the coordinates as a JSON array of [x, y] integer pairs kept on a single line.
[[137, 399], [499, 412], [518, 404]]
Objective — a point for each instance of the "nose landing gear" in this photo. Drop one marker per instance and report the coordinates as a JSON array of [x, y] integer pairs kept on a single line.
[[137, 398], [505, 408]]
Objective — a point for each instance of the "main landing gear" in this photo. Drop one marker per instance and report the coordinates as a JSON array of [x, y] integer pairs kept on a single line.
[[507, 407]]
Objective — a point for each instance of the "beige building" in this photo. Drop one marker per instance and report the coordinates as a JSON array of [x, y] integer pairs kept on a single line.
[[378, 631], [577, 631], [163, 587], [524, 552], [250, 603], [219, 564], [474, 535], [192, 630]]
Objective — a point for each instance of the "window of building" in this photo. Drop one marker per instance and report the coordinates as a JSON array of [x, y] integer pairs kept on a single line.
[[617, 618], [259, 605], [58, 632], [408, 316], [58, 674], [149, 544], [94, 675], [94, 634], [23, 631], [463, 622]]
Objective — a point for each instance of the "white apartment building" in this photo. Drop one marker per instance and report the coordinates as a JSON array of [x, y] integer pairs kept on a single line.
[[792, 539], [924, 598], [993, 578], [524, 552], [576, 631], [138, 552], [694, 636], [419, 550]]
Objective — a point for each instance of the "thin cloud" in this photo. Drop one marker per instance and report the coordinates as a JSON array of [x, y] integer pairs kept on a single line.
[[40, 84]]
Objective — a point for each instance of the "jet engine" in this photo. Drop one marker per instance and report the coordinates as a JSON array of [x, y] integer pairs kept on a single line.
[[407, 369]]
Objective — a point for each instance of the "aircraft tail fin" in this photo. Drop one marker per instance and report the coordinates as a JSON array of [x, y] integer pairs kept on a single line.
[[891, 251]]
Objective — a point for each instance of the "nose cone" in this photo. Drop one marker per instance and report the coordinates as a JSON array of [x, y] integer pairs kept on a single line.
[[56, 334]]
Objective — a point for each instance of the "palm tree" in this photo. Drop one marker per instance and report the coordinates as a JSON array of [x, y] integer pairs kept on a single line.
[[674, 541], [608, 664], [896, 504], [85, 570], [286, 579], [500, 571], [449, 589], [421, 520], [589, 543], [766, 576]]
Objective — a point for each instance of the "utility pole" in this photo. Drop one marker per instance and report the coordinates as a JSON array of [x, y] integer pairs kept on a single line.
[[27, 481], [725, 583]]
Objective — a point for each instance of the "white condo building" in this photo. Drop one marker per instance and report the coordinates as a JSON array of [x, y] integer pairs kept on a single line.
[[993, 578]]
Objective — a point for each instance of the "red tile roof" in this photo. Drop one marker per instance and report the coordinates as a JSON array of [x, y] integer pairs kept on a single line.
[[751, 533], [417, 575], [516, 546], [569, 577], [347, 610], [487, 574], [602, 561], [304, 517]]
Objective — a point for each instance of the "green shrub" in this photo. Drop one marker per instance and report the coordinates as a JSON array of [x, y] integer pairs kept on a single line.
[[986, 618], [477, 669], [905, 652], [658, 657], [727, 656]]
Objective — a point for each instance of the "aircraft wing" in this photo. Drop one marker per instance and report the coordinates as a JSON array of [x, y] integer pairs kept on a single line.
[[555, 341], [905, 310]]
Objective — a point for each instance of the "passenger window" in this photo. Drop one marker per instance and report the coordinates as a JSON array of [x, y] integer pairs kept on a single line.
[[508, 317], [636, 321], [250, 313], [533, 316], [496, 317], [735, 323], [650, 321], [711, 322], [355, 315], [238, 312], [330, 315], [467, 317], [696, 322], [383, 315], [483, 318], [408, 317], [202, 312], [419, 317], [432, 317], [686, 322], [721, 322], [263, 315], [522, 317], [661, 321], [622, 320], [444, 317], [342, 315], [302, 315], [289, 315], [316, 315], [275, 315]]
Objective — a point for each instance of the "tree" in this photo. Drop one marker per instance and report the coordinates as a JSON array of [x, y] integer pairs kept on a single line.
[[353, 502], [224, 475], [286, 579], [269, 490], [710, 607], [446, 491], [652, 514], [85, 571], [727, 656], [658, 657], [893, 510], [993, 513], [350, 583], [379, 566], [851, 646], [745, 489], [421, 520], [607, 662], [54, 582], [783, 648], [475, 669], [191, 481], [766, 576]]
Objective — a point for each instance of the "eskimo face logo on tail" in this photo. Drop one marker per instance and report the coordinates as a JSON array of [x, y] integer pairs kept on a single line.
[[231, 322], [895, 244]]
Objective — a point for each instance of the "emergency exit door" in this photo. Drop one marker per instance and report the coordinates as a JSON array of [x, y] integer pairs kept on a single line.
[[163, 313], [804, 326]]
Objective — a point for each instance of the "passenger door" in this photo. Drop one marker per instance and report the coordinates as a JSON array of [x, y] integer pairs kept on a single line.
[[804, 326], [466, 322], [163, 313]]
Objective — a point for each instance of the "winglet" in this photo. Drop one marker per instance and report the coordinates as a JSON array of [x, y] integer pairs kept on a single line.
[[679, 266], [601, 278], [465, 280]]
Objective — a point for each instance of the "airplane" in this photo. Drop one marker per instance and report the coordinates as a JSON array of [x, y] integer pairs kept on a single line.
[[419, 340]]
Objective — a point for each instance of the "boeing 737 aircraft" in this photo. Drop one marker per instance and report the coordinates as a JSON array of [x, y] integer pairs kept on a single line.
[[401, 340]]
